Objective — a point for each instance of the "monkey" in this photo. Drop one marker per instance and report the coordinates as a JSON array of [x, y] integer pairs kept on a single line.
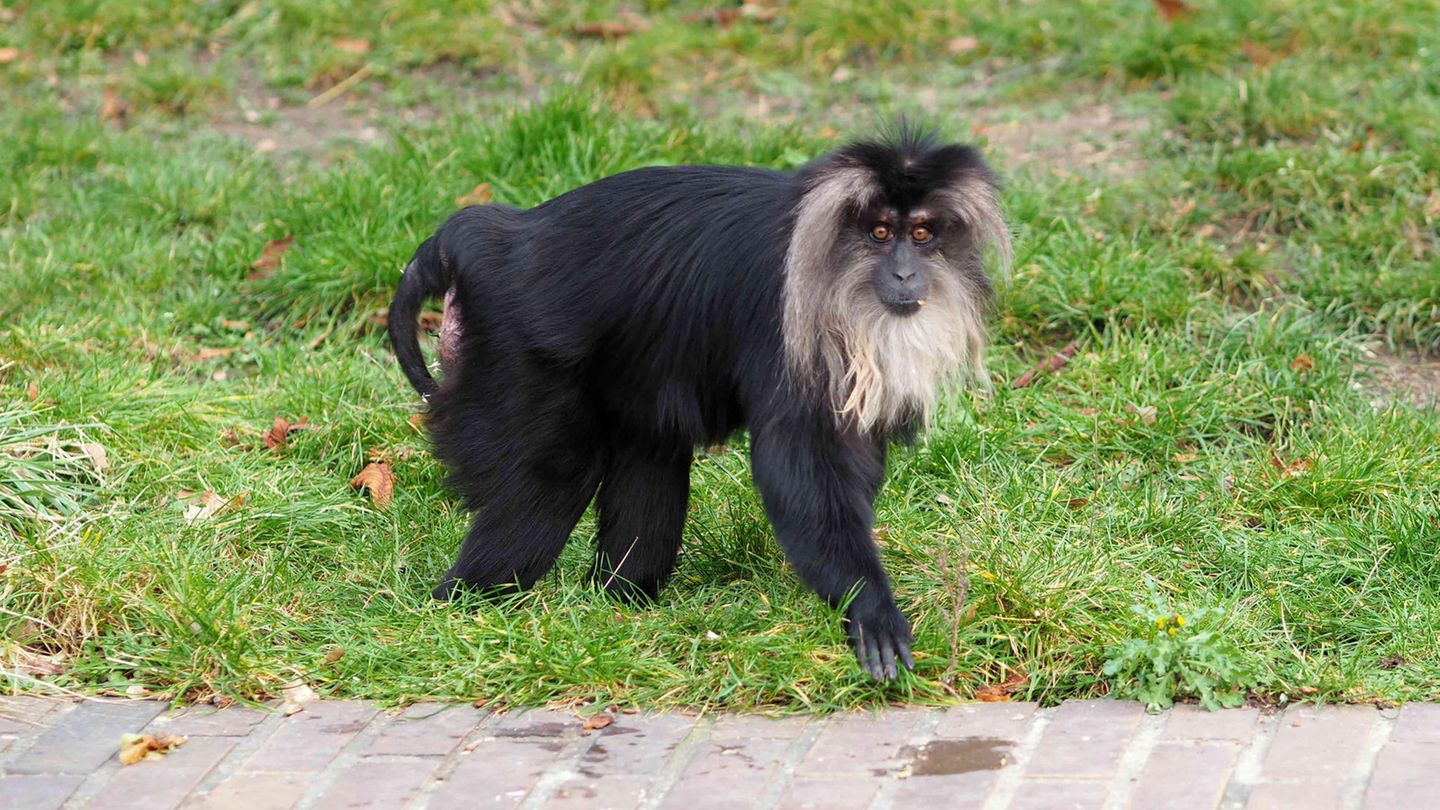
[[591, 342]]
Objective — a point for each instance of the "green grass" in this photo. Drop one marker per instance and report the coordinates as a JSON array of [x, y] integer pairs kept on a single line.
[[1215, 440]]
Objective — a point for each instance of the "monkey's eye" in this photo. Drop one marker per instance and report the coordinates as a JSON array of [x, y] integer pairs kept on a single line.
[[921, 234], [881, 233]]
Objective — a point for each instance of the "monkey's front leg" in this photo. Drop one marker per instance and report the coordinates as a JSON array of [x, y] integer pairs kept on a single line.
[[819, 489]]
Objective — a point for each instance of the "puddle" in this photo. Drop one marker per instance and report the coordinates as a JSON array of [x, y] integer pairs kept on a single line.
[[946, 757]]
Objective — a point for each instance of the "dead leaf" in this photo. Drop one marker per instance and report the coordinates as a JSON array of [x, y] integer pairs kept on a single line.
[[961, 45], [1053, 363], [417, 421], [431, 321], [141, 58], [613, 29], [355, 46], [8, 55], [1077, 503], [1173, 10], [1303, 363], [211, 505], [1393, 662], [295, 695], [1294, 469], [1001, 692], [239, 326], [379, 480], [596, 722], [212, 352], [333, 657], [480, 195], [1432, 203], [1261, 56], [270, 258], [112, 107], [1147, 413], [97, 456], [137, 747], [1184, 458], [135, 690], [32, 391], [275, 437]]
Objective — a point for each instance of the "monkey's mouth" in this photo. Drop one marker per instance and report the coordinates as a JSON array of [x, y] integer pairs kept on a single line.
[[905, 307]]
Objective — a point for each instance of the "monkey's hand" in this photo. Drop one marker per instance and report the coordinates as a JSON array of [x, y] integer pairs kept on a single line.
[[880, 635]]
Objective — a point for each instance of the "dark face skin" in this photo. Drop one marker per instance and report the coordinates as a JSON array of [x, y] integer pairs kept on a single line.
[[905, 243]]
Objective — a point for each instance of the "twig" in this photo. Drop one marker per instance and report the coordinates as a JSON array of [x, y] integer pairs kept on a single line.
[[957, 586], [1053, 363], [349, 82]]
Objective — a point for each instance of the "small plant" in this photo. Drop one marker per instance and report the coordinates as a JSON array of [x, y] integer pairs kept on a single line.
[[1179, 656]]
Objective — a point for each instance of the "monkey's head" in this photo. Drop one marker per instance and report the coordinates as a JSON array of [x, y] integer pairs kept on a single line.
[[885, 284]]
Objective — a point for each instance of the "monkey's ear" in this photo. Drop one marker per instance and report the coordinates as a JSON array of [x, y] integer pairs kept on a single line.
[[973, 198]]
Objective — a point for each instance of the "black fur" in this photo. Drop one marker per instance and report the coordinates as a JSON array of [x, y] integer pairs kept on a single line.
[[608, 332]]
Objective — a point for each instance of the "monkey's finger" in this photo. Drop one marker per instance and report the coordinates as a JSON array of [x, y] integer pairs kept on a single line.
[[870, 656], [905, 655], [887, 657]]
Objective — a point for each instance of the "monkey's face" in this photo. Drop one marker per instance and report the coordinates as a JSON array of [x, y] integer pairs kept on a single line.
[[906, 257]]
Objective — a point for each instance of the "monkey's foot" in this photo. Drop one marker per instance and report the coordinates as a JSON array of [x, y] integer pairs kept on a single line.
[[880, 636]]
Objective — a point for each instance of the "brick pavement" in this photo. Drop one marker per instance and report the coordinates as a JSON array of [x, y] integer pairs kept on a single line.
[[1083, 754]]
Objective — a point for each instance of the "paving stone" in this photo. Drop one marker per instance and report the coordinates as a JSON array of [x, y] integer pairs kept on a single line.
[[604, 793], [1190, 722], [23, 715], [84, 739], [36, 792], [497, 773], [860, 743], [1181, 775], [1060, 794], [154, 785], [540, 724], [829, 794], [1000, 721], [635, 744], [427, 729], [1312, 796], [753, 727], [1307, 735], [953, 791], [726, 774], [379, 782], [257, 791], [208, 721], [1406, 775], [1417, 723], [308, 741], [1085, 738]]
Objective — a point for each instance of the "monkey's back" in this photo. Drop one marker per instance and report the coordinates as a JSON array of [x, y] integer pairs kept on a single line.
[[657, 291]]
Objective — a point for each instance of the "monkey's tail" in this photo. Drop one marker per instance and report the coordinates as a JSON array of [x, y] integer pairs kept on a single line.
[[427, 276]]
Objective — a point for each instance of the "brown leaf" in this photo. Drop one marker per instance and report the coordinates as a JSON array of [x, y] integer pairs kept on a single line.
[[379, 480], [141, 58], [480, 195], [1001, 692], [32, 391], [137, 747], [8, 55], [431, 321], [1147, 413], [211, 505], [1053, 363], [1173, 10], [1184, 458], [212, 352], [275, 437], [1393, 662], [961, 45], [334, 656], [240, 326], [1077, 503], [596, 722], [612, 29], [1260, 55], [270, 258], [1303, 363], [417, 421], [1294, 469], [112, 107], [355, 46]]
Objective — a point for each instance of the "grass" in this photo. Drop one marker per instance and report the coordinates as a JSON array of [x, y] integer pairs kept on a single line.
[[1216, 439]]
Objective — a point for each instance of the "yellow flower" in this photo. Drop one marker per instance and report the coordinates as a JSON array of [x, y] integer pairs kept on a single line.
[[1180, 620]]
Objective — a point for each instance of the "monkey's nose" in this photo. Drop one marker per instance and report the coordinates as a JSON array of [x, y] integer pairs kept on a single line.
[[903, 273]]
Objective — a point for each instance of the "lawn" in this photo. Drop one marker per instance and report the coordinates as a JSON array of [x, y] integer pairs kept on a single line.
[[1231, 209]]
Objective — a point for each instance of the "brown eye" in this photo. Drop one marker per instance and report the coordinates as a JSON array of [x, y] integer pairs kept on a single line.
[[881, 233], [921, 234]]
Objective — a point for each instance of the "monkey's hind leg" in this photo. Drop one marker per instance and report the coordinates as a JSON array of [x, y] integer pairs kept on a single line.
[[516, 537], [643, 501]]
